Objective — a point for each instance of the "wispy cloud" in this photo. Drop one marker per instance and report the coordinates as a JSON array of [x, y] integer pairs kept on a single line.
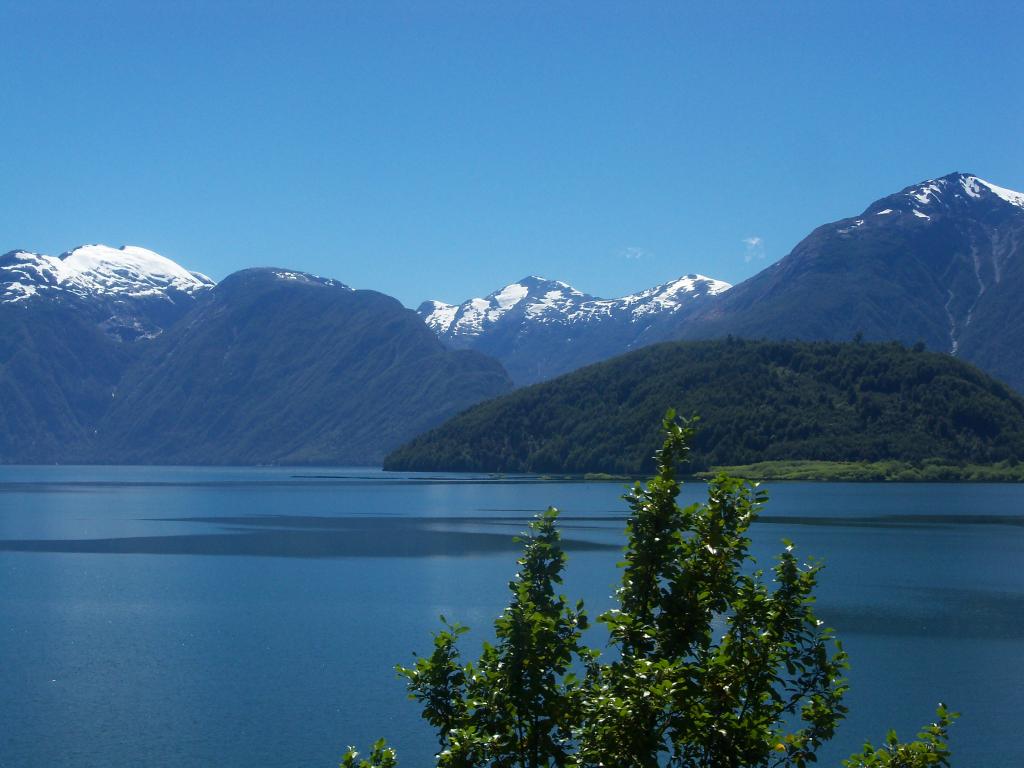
[[634, 253], [754, 248]]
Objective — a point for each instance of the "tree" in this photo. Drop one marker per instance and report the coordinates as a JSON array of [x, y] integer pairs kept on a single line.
[[516, 705], [709, 665], [715, 667]]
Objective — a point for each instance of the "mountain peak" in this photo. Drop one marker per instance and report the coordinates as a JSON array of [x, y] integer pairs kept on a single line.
[[134, 292], [130, 270], [95, 271], [272, 278], [939, 262], [534, 283], [293, 275], [956, 189]]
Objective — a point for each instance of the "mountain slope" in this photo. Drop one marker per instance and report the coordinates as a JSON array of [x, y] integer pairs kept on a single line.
[[274, 366], [757, 401], [121, 355], [940, 262], [58, 372], [541, 328]]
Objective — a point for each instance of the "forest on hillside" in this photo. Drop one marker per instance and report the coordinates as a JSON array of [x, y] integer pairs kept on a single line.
[[756, 401]]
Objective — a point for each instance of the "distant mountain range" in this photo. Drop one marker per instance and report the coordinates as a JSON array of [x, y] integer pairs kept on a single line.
[[940, 262], [541, 328], [123, 355], [120, 355]]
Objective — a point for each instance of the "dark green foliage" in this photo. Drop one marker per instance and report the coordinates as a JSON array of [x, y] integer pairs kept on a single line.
[[715, 668], [516, 705], [381, 756], [710, 664], [929, 471], [929, 751], [761, 401]]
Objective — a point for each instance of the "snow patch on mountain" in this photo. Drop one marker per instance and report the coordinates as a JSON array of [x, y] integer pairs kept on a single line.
[[927, 191], [295, 276], [511, 295], [438, 315], [1009, 195]]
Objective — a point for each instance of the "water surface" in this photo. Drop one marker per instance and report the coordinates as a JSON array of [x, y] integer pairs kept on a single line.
[[195, 616]]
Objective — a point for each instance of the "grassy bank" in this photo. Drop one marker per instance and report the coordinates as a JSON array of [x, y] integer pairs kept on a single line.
[[875, 471]]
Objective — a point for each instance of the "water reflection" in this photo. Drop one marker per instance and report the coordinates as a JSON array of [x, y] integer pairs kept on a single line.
[[315, 537], [397, 536]]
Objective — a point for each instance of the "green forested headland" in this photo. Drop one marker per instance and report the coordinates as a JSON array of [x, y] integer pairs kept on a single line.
[[758, 401]]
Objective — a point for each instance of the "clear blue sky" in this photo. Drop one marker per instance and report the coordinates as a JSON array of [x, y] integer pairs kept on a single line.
[[441, 150]]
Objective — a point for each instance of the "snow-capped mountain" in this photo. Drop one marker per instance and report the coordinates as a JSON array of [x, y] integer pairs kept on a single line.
[[540, 328], [122, 355], [545, 301], [133, 291], [532, 297], [940, 262]]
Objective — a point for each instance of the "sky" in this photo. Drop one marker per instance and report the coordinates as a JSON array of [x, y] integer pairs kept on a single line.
[[440, 150]]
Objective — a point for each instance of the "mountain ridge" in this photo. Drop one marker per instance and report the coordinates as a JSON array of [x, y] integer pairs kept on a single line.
[[940, 261], [525, 324], [276, 366], [270, 366]]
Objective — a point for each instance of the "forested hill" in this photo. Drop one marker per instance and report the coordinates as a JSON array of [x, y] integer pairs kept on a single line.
[[757, 401]]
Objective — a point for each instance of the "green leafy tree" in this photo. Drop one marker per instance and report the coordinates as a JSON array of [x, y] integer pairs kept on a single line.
[[710, 664], [517, 704], [715, 666]]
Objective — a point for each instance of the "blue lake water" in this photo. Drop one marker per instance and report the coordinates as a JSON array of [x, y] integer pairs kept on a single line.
[[250, 617]]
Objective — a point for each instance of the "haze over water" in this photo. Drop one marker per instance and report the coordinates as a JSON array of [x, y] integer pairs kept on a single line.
[[190, 616]]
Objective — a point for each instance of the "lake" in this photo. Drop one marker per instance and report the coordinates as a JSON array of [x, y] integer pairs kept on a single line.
[[246, 617]]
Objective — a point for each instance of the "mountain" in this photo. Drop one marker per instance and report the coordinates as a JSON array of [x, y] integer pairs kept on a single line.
[[121, 355], [282, 367], [130, 292], [940, 262], [541, 328], [757, 401], [70, 327]]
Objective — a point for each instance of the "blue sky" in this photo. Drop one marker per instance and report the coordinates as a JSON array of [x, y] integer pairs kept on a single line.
[[441, 150]]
